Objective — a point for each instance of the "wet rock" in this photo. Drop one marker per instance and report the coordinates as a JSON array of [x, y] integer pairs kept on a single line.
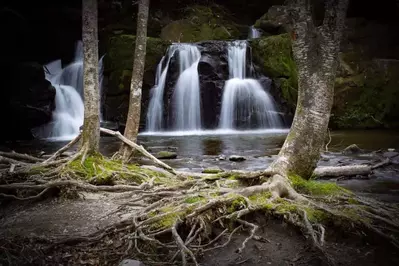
[[395, 160], [390, 154], [391, 149], [131, 263], [352, 149], [221, 157], [237, 158], [166, 155], [212, 170]]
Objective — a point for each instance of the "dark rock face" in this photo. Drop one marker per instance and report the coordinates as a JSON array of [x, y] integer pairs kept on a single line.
[[26, 99]]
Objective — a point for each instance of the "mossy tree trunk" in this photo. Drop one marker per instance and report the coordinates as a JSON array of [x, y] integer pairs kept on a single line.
[[315, 52], [91, 124], [133, 116]]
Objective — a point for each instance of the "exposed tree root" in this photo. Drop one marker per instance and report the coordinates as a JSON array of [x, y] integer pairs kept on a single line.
[[173, 218]]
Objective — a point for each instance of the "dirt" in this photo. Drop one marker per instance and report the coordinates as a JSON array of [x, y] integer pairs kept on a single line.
[[278, 243]]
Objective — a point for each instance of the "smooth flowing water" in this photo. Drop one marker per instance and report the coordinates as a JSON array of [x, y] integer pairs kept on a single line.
[[245, 104], [69, 108], [186, 95], [254, 33]]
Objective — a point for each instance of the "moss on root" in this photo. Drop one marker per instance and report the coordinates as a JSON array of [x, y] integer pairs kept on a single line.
[[102, 171], [316, 188]]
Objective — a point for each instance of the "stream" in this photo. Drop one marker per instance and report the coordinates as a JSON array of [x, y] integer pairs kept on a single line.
[[199, 151]]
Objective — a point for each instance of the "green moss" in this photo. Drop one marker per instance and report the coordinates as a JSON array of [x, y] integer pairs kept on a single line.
[[195, 199], [261, 199], [101, 171], [212, 170], [312, 187], [201, 23], [274, 54], [237, 204], [119, 59]]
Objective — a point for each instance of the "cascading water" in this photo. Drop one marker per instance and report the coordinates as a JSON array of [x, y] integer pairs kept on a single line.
[[69, 107], [254, 33], [245, 104], [186, 96], [155, 107]]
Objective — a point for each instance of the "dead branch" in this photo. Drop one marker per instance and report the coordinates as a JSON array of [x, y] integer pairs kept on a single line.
[[8, 196], [347, 170], [138, 147], [182, 246], [20, 156], [63, 149], [65, 183]]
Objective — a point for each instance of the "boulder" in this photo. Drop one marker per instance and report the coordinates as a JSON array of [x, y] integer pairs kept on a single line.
[[275, 21], [200, 23], [166, 155], [26, 99], [237, 158]]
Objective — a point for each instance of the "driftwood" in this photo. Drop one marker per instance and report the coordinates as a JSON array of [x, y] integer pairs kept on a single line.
[[20, 156], [348, 170], [138, 147]]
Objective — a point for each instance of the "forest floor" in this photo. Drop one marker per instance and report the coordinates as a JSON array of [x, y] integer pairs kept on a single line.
[[277, 244], [31, 230]]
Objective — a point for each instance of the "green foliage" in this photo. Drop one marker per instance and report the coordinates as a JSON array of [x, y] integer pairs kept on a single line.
[[312, 187], [261, 199]]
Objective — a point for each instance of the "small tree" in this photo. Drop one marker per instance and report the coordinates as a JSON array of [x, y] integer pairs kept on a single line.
[[133, 116], [91, 124], [315, 52]]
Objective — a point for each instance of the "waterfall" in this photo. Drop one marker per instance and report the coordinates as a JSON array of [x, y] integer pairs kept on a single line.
[[69, 107], [254, 32], [245, 104], [186, 96], [155, 107]]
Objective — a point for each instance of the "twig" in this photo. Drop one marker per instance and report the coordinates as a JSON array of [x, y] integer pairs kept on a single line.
[[253, 231], [139, 148], [7, 196], [63, 149], [182, 246]]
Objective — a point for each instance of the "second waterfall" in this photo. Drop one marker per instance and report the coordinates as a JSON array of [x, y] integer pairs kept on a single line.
[[186, 101]]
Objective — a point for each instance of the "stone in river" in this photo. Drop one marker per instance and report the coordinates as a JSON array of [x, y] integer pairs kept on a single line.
[[212, 170], [237, 158], [390, 154], [352, 149], [166, 155]]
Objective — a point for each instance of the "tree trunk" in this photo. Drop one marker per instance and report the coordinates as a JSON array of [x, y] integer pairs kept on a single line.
[[133, 116], [315, 52], [91, 124]]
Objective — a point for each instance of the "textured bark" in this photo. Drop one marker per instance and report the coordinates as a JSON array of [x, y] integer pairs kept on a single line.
[[315, 52], [133, 116], [91, 124]]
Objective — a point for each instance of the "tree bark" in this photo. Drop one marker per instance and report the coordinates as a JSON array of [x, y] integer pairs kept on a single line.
[[91, 124], [133, 116], [315, 52]]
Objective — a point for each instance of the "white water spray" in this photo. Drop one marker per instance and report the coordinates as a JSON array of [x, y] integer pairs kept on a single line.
[[254, 33], [69, 107], [245, 104]]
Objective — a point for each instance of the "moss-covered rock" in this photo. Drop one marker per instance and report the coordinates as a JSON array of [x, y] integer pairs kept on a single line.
[[202, 23], [274, 55], [365, 90], [118, 67]]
